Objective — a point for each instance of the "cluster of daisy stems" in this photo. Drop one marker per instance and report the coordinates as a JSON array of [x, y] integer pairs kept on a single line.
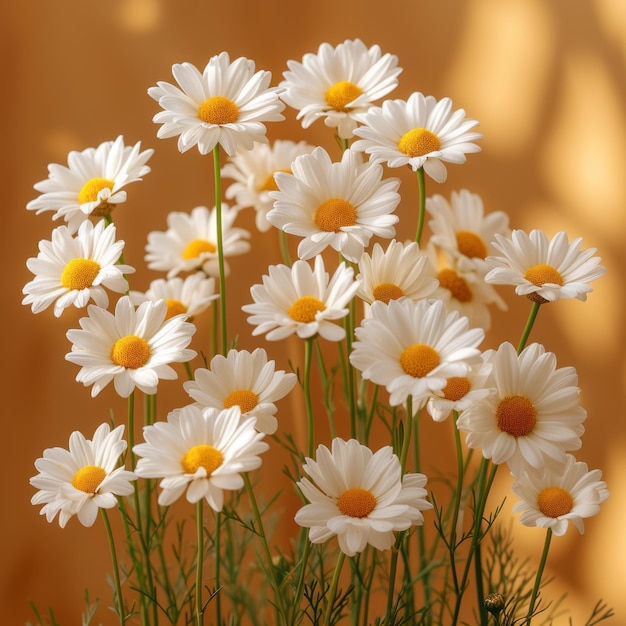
[[389, 335]]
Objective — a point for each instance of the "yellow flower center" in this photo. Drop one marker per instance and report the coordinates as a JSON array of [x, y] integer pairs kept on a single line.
[[218, 110], [174, 307], [270, 182], [471, 245], [305, 308], [91, 189], [79, 274], [245, 399], [419, 359], [341, 94], [88, 478], [455, 284], [202, 456], [356, 502], [516, 416], [195, 248], [333, 214], [418, 142], [131, 352], [457, 387], [386, 292], [541, 274], [555, 501]]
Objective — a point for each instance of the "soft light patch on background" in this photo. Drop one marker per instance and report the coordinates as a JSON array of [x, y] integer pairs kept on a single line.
[[140, 16]]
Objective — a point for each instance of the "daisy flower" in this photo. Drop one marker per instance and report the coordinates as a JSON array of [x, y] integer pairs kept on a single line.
[[461, 228], [74, 270], [544, 270], [92, 183], [418, 132], [132, 347], [190, 242], [253, 172], [83, 479], [302, 300], [414, 348], [534, 414], [359, 496], [337, 83], [226, 103], [200, 452], [190, 296], [243, 379], [341, 205], [554, 495]]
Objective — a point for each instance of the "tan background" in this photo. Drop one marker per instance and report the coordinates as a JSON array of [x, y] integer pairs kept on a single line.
[[546, 80]]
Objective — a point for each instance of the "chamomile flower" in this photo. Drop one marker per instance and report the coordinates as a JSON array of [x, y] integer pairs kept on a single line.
[[418, 132], [336, 83], [302, 300], [92, 182], [190, 296], [190, 242], [544, 270], [414, 348], [341, 205], [556, 494], [533, 417], [132, 347], [200, 452], [227, 103], [83, 479], [253, 172], [359, 496], [74, 270], [243, 379]]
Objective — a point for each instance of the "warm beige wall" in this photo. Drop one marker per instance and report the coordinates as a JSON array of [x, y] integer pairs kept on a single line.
[[546, 80]]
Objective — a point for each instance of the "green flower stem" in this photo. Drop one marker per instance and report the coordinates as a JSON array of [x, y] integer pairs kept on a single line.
[[284, 248], [326, 386], [199, 620], [529, 326], [333, 589], [349, 369], [421, 182], [119, 600], [393, 566], [218, 568], [310, 418], [220, 244], [305, 551], [457, 502], [542, 564]]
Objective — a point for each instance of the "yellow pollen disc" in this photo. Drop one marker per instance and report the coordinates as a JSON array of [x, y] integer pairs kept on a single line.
[[333, 214], [88, 478], [174, 307], [457, 387], [218, 110], [516, 416], [79, 274], [419, 359], [131, 352], [471, 245], [455, 284], [386, 292], [91, 189], [304, 309], [202, 456], [541, 274], [356, 502], [555, 501], [418, 142], [197, 247], [341, 94], [244, 398], [270, 183]]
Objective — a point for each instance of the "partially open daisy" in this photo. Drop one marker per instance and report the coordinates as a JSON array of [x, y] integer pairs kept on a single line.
[[190, 242], [245, 380], [253, 172], [556, 494], [336, 83], [302, 300], [92, 182], [544, 270], [534, 414], [359, 496], [341, 205], [83, 479], [227, 103], [132, 348], [200, 452], [74, 270], [414, 348], [418, 132]]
